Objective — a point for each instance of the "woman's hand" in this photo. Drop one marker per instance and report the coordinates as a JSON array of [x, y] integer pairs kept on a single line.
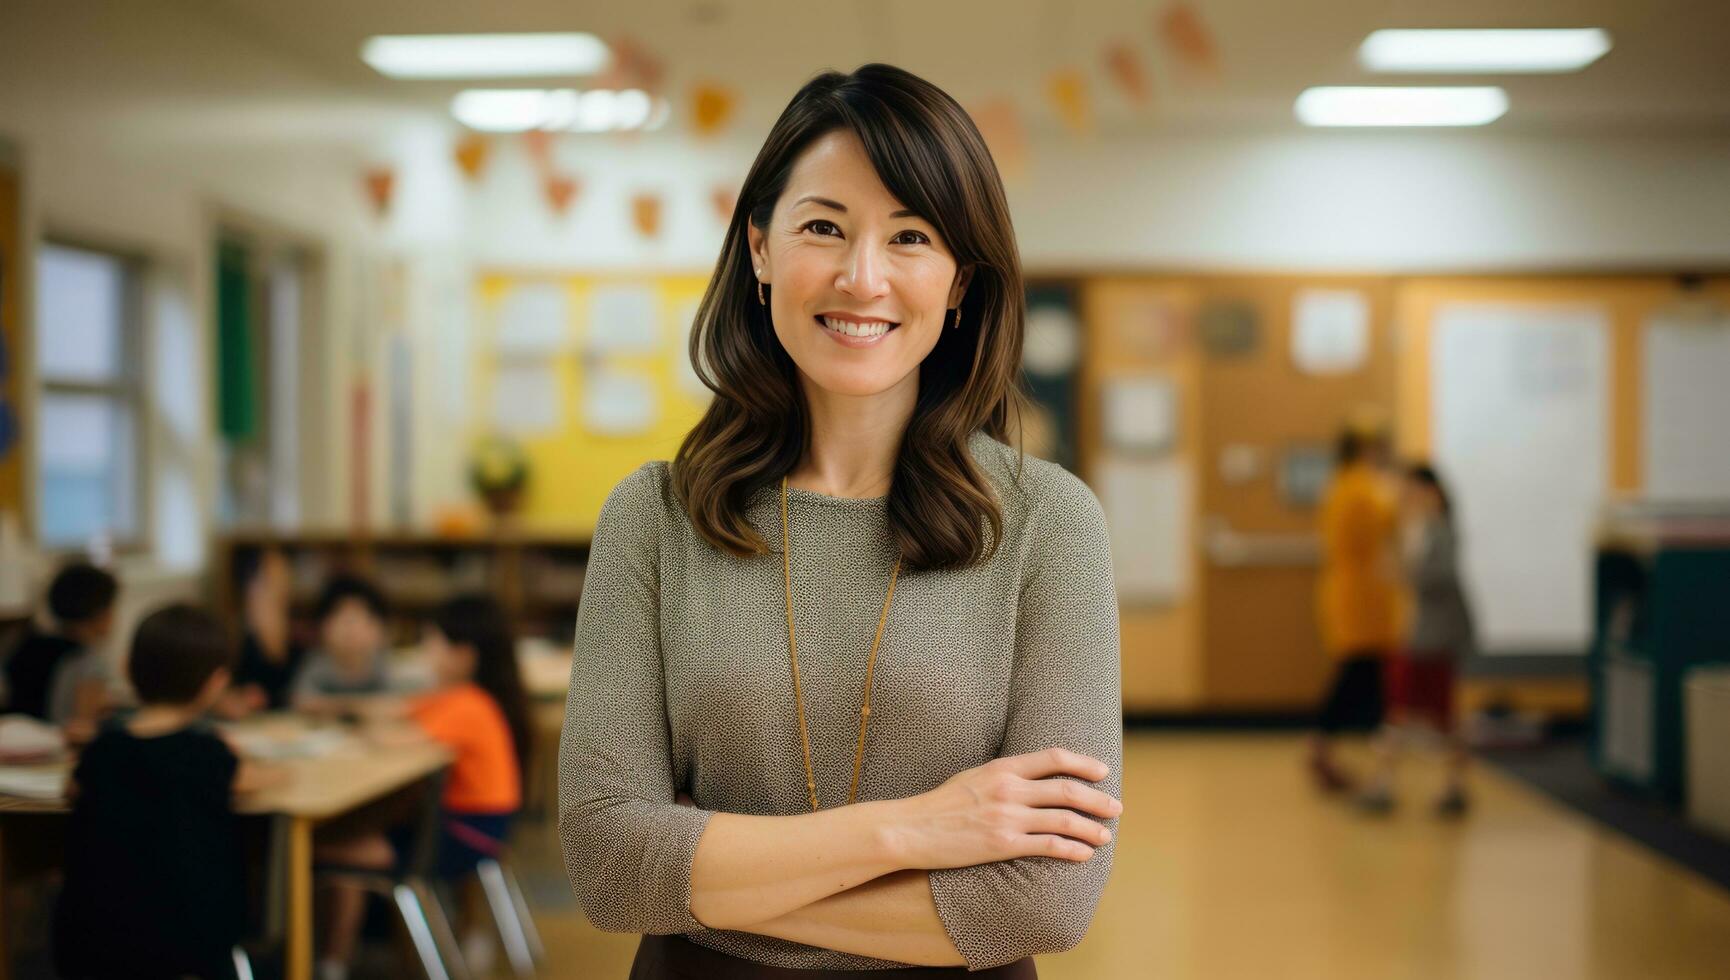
[[1006, 809]]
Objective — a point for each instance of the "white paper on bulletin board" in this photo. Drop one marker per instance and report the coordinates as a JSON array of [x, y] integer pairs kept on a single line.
[[533, 319], [1139, 413], [1519, 406], [1147, 512], [622, 320], [616, 404], [684, 372], [1687, 393], [1330, 330], [525, 399]]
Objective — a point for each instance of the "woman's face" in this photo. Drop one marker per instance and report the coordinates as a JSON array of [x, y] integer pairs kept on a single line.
[[859, 288]]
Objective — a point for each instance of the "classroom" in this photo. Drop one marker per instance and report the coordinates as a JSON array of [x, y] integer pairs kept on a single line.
[[1196, 489]]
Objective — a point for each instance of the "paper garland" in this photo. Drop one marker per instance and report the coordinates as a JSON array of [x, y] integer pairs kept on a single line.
[[380, 183], [560, 191], [1123, 64], [1189, 40], [471, 154], [712, 107], [1067, 90], [646, 214]]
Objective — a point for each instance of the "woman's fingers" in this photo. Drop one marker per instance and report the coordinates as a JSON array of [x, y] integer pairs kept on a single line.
[[1053, 845], [1069, 824], [1073, 795], [1055, 762]]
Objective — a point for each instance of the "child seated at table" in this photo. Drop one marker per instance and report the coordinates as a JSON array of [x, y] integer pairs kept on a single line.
[[350, 661], [269, 658], [61, 675], [153, 884], [476, 709]]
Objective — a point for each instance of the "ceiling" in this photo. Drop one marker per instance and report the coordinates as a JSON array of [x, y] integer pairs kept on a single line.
[[299, 60]]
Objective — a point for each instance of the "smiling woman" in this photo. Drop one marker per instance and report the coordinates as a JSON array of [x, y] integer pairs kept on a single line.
[[949, 679]]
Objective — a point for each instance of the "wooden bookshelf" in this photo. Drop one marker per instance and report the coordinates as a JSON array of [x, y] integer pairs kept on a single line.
[[536, 576]]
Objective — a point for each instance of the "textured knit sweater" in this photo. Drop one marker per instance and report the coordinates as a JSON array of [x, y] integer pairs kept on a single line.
[[682, 681]]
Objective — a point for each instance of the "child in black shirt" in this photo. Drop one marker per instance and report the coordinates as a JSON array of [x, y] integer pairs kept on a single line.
[[153, 852], [60, 675]]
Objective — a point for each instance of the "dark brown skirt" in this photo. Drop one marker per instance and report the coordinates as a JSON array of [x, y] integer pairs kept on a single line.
[[677, 958]]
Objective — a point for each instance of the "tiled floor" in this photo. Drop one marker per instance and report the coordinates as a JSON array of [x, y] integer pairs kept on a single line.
[[1229, 867]]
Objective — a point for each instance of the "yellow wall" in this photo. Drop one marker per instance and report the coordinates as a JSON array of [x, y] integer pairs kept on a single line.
[[572, 468]]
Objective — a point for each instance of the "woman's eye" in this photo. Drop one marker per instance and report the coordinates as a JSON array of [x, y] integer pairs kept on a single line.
[[821, 226], [911, 238]]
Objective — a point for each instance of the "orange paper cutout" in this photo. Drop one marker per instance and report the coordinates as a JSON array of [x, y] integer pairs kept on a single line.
[[1124, 65], [1067, 90], [711, 107], [632, 66], [1189, 40], [999, 122], [380, 183], [539, 144], [725, 199], [646, 214], [560, 191], [471, 154]]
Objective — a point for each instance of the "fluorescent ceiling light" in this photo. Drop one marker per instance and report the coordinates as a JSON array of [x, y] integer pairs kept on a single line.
[[1483, 52], [595, 111], [484, 55], [1400, 106]]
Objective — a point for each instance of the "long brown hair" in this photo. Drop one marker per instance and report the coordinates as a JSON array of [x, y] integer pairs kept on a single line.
[[931, 157]]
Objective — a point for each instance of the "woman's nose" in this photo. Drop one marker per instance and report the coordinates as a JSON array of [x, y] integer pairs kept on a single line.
[[862, 277]]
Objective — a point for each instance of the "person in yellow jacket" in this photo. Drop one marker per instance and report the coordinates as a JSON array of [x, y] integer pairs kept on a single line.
[[1358, 599]]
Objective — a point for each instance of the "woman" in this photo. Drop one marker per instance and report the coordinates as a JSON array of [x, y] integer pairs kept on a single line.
[[850, 623], [1358, 595]]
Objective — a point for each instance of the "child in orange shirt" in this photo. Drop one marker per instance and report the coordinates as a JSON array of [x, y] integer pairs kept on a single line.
[[477, 710]]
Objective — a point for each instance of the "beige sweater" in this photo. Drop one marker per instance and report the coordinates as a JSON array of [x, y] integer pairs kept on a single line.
[[682, 680]]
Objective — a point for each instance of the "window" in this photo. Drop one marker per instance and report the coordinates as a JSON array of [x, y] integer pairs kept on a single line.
[[87, 351]]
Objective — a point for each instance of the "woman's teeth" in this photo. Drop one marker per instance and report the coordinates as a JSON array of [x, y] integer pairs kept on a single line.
[[876, 328]]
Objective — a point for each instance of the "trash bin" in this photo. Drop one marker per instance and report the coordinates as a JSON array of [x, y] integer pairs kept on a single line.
[[1707, 710]]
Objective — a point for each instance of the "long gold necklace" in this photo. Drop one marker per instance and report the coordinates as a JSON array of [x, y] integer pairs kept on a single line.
[[793, 649]]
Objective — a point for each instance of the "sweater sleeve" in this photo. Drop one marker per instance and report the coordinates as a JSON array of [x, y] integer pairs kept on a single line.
[[627, 844], [1065, 690]]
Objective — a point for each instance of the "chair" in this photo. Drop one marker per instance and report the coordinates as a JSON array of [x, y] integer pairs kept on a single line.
[[410, 892], [510, 913]]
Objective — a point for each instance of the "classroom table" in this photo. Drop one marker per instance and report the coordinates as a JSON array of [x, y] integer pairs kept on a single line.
[[346, 773]]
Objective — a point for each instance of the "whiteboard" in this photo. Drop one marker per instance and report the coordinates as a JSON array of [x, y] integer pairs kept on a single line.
[[1519, 403], [1687, 405]]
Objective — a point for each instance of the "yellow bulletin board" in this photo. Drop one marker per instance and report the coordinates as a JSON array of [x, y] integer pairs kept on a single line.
[[557, 359]]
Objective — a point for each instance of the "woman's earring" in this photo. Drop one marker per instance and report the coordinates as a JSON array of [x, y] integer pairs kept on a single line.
[[957, 324], [760, 300]]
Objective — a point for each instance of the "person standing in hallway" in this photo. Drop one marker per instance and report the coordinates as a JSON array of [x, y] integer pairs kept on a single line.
[[875, 645], [1420, 687], [1358, 595]]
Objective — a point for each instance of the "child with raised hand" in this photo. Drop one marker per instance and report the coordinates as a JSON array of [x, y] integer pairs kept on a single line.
[[477, 709], [153, 854], [1420, 679], [269, 658]]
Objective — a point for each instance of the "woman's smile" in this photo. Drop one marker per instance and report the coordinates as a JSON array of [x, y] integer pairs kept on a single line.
[[851, 331]]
